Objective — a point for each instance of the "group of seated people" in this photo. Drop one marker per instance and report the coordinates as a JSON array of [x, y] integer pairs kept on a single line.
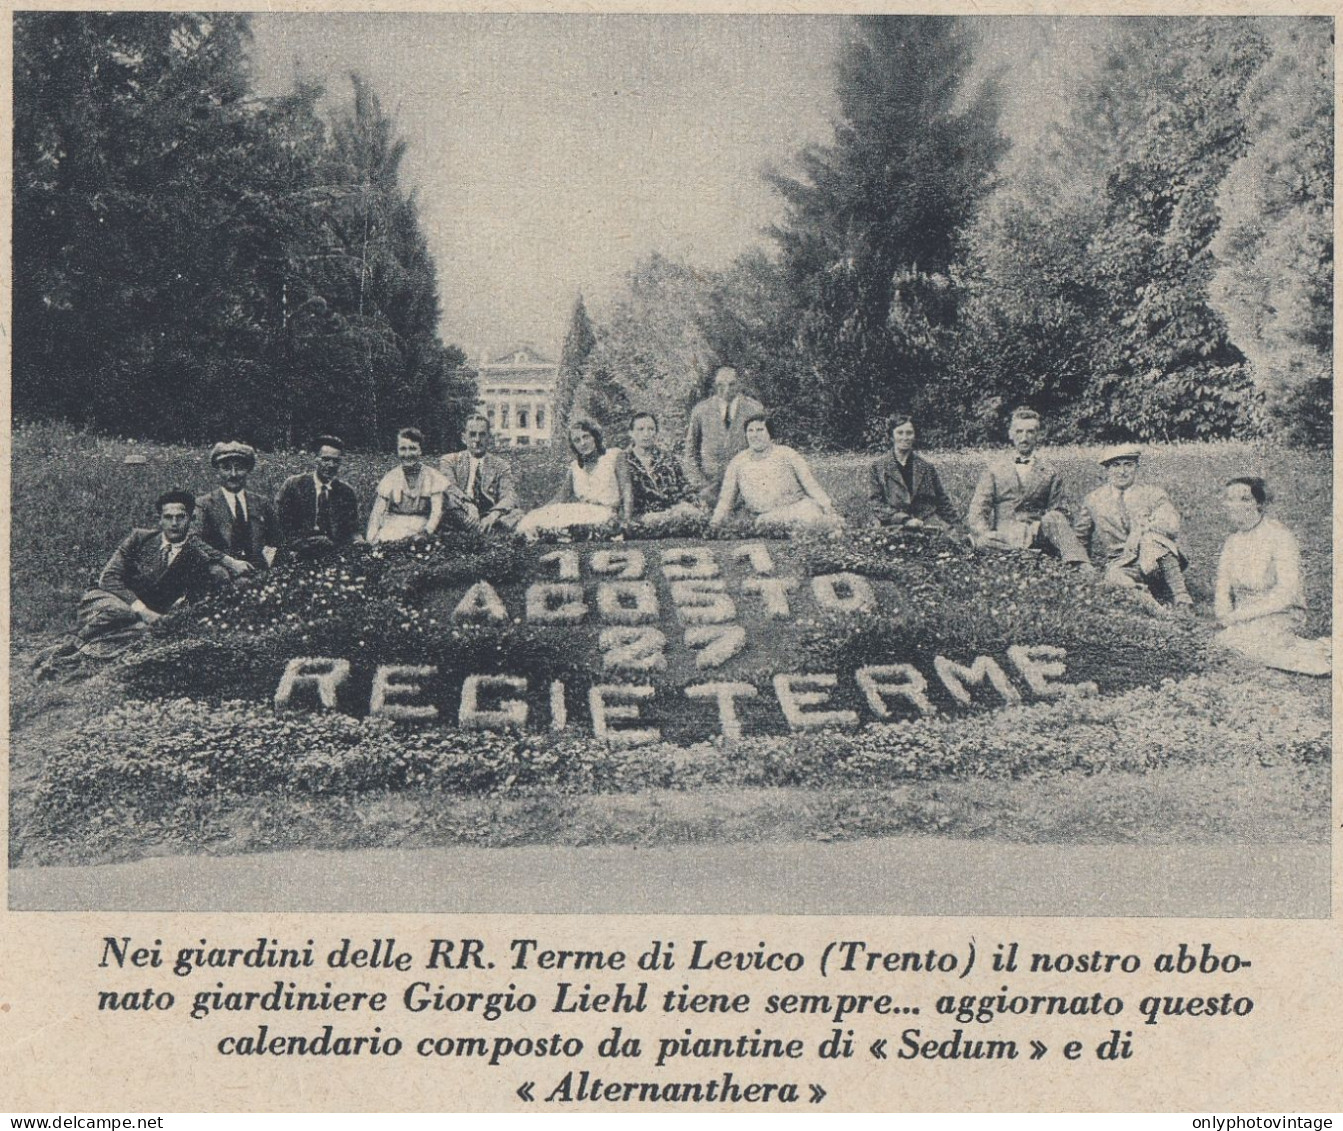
[[1126, 530]]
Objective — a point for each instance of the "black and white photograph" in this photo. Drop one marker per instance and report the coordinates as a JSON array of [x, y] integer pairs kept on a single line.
[[756, 464]]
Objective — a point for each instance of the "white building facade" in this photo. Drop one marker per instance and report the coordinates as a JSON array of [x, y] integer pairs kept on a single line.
[[516, 392]]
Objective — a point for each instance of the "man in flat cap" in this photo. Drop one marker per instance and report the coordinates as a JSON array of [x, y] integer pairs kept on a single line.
[[319, 511], [1019, 501], [239, 523], [151, 572], [1134, 530]]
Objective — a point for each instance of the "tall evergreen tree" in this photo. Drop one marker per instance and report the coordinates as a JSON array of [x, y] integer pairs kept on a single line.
[[873, 220], [579, 341]]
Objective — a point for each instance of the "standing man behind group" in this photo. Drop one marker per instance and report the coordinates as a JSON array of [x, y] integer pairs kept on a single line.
[[319, 512], [239, 523], [717, 432], [485, 496], [1019, 501]]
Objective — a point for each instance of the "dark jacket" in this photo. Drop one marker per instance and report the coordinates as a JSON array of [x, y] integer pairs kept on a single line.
[[135, 571], [215, 525], [892, 502], [296, 505]]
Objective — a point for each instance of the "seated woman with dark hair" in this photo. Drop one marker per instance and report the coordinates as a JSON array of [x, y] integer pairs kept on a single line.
[[903, 487], [1260, 598], [774, 483], [409, 499], [661, 493], [596, 488]]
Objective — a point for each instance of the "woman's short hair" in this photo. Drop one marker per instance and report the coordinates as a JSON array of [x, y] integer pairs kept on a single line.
[[638, 416], [593, 429], [764, 418], [414, 435], [898, 418], [1258, 488]]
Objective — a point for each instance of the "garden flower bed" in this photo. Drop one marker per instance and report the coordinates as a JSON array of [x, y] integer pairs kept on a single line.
[[889, 658]]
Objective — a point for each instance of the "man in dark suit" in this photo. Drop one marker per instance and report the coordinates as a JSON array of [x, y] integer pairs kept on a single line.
[[904, 488], [717, 432], [318, 511], [239, 523], [1019, 501], [150, 573], [484, 495]]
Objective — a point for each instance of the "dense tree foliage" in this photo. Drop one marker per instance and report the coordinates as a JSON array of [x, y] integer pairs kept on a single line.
[[1089, 267], [873, 219], [1156, 261], [651, 342], [1275, 249], [192, 261]]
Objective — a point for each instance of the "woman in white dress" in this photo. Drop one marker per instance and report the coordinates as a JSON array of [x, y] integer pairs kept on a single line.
[[596, 488], [1260, 599], [409, 500], [774, 483]]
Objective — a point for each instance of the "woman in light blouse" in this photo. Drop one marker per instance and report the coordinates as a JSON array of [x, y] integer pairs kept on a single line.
[[1260, 599], [774, 483], [595, 490], [409, 499]]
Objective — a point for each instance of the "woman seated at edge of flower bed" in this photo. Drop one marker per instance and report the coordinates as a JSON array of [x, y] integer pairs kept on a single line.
[[409, 499], [904, 490], [1260, 598], [595, 491], [774, 483], [661, 493]]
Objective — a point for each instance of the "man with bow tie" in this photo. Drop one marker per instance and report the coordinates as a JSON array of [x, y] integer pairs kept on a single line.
[[1019, 501], [717, 432], [239, 523], [318, 511], [150, 573], [484, 496]]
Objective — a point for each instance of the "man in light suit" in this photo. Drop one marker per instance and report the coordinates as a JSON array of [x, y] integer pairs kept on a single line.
[[717, 432], [1134, 529], [1019, 501], [484, 496], [239, 523], [318, 511]]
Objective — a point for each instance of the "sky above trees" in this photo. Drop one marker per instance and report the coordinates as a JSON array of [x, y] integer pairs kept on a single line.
[[550, 153]]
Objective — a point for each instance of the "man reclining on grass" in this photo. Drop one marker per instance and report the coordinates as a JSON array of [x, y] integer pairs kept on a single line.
[[151, 572]]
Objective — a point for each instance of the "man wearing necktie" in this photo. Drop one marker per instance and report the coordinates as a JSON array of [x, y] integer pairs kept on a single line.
[[717, 433], [318, 511], [1133, 530], [483, 495], [150, 573], [1019, 501], [237, 522]]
